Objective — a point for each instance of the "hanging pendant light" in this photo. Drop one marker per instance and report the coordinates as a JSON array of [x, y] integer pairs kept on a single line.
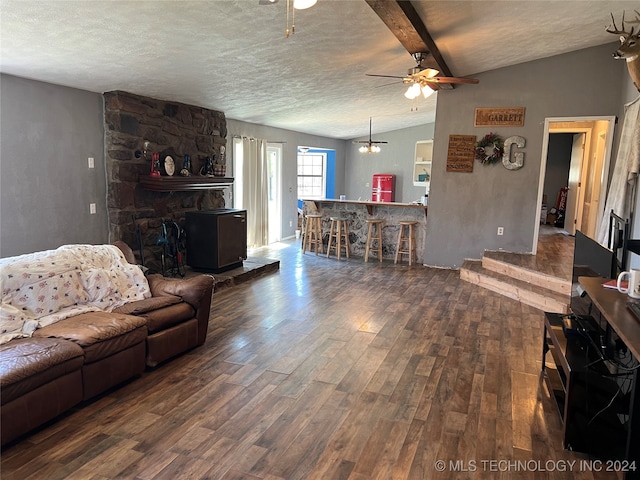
[[370, 146]]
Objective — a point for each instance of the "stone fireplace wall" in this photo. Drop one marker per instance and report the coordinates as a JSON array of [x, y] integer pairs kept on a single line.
[[172, 129]]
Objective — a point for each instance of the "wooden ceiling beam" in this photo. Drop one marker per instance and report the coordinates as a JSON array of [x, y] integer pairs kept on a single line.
[[403, 21]]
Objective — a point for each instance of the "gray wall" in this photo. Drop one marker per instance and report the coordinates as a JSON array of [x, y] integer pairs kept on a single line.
[[290, 140], [48, 132], [396, 157], [465, 209]]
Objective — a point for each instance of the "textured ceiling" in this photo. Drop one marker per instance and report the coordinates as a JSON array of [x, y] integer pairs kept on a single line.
[[233, 55]]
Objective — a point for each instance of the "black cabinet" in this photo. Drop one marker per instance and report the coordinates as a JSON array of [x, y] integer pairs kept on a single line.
[[216, 239], [593, 406]]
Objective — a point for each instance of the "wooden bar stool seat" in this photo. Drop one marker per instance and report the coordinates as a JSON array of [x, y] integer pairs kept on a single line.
[[313, 233], [374, 235], [406, 242], [338, 236]]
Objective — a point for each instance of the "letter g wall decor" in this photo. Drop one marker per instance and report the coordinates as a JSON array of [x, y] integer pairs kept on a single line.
[[518, 157]]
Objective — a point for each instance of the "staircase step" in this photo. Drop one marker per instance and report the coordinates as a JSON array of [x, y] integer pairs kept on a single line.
[[544, 299], [559, 285]]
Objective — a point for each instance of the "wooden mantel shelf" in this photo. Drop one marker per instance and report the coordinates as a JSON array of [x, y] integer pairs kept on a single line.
[[194, 182]]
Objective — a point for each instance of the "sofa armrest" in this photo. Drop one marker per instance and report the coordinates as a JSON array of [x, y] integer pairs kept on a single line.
[[196, 291], [191, 290]]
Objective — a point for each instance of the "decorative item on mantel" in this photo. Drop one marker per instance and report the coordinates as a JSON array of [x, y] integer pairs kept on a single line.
[[155, 165], [207, 168], [220, 167], [186, 166]]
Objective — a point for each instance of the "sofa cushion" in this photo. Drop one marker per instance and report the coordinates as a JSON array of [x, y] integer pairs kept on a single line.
[[142, 306], [167, 317], [99, 333], [28, 363]]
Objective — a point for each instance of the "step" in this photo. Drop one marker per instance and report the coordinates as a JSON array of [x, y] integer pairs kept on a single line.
[[530, 294], [528, 275], [251, 268]]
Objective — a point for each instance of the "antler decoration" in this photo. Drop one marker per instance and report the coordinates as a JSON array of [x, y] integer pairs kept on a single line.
[[623, 31], [629, 48]]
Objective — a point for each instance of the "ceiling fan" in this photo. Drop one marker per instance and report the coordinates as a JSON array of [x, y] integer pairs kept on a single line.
[[369, 146], [425, 80]]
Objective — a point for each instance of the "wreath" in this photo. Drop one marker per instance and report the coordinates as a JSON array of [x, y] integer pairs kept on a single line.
[[487, 155]]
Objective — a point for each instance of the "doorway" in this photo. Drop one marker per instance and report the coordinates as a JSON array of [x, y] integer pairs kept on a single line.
[[587, 175]]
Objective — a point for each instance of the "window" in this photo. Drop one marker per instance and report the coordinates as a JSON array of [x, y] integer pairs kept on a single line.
[[311, 175]]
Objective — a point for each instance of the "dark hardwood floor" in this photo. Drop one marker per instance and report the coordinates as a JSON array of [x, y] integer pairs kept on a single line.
[[328, 369], [554, 255]]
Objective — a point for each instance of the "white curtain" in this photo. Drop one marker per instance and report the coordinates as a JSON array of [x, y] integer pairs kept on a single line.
[[625, 172], [255, 191]]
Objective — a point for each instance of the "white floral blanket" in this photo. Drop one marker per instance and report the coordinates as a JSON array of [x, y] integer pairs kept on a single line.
[[41, 288]]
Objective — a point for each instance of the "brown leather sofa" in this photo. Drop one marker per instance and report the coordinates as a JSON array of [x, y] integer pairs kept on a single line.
[[80, 357], [177, 314], [40, 378]]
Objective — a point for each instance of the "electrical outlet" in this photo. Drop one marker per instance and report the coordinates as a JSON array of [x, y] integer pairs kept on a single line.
[[91, 161], [500, 230], [92, 208], [291, 223]]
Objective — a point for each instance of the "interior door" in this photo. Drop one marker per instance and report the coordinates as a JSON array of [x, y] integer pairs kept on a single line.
[[572, 218]]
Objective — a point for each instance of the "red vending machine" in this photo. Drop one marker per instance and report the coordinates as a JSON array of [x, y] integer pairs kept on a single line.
[[383, 187]]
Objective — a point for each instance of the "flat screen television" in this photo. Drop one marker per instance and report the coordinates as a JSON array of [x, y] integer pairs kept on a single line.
[[590, 259]]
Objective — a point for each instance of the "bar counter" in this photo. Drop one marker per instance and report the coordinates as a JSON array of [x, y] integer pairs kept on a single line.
[[358, 212]]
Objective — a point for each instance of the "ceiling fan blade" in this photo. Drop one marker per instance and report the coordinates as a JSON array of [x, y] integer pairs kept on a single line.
[[367, 142], [382, 76], [387, 84], [267, 2], [457, 80]]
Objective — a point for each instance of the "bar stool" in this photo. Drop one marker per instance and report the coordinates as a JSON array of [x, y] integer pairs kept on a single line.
[[339, 231], [374, 234], [406, 243], [313, 233]]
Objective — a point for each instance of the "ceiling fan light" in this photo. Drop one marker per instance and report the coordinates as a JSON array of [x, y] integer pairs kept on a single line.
[[363, 149], [427, 91], [302, 4], [375, 149], [413, 91]]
